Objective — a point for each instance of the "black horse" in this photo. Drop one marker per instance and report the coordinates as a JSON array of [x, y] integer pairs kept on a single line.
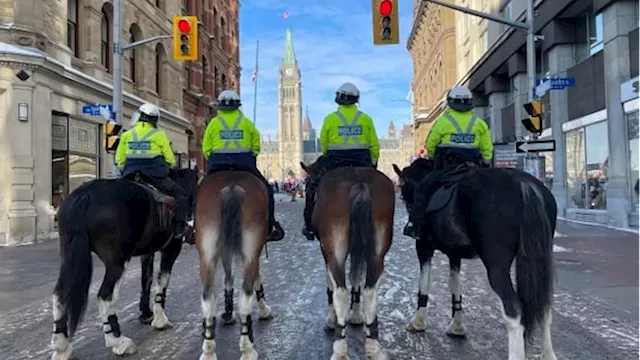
[[117, 220], [497, 215]]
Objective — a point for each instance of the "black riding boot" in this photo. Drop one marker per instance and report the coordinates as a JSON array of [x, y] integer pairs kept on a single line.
[[180, 215], [276, 232], [308, 212]]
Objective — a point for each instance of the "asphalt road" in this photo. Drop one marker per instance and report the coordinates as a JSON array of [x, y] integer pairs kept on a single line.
[[596, 303]]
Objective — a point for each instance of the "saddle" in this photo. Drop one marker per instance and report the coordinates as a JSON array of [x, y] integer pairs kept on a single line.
[[165, 202], [447, 186]]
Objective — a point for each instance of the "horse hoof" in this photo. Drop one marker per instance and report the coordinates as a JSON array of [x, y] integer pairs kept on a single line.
[[146, 317], [265, 313], [124, 346], [204, 356], [66, 354], [249, 355], [413, 327], [228, 318], [161, 323], [457, 331]]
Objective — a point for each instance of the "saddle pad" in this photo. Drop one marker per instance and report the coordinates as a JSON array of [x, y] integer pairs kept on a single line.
[[441, 198]]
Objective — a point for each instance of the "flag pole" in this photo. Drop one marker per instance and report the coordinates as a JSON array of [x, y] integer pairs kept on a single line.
[[255, 84]]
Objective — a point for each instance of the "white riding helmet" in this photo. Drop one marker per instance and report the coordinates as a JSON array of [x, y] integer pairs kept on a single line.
[[460, 98], [228, 100], [347, 94], [147, 112]]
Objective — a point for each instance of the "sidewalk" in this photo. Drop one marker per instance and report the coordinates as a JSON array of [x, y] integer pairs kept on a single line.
[[609, 258]]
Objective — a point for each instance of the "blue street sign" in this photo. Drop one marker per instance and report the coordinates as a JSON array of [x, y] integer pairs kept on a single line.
[[99, 110], [544, 85]]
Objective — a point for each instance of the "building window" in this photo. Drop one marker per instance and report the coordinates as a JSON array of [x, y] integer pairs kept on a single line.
[[72, 26], [632, 121], [205, 69], [223, 26], [216, 26], [506, 13], [105, 41], [587, 152], [160, 58], [596, 37], [187, 75], [185, 6], [132, 56]]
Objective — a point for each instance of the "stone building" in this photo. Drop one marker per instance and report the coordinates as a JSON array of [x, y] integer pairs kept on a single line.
[[217, 69], [432, 44], [594, 171], [396, 149], [55, 57]]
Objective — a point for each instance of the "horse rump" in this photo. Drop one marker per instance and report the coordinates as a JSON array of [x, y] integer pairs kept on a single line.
[[76, 268], [534, 258], [361, 229], [231, 199]]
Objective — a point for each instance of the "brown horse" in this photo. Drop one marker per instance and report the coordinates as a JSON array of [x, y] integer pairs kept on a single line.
[[231, 221], [353, 216]]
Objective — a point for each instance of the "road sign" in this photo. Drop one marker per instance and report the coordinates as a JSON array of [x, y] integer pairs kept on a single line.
[[544, 85], [99, 110], [535, 146]]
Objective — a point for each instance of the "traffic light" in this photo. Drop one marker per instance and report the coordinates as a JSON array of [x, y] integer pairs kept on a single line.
[[112, 139], [385, 22], [185, 38], [534, 122]]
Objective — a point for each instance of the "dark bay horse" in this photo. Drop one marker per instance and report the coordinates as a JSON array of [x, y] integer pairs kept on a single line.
[[498, 215], [354, 216], [117, 220], [231, 222]]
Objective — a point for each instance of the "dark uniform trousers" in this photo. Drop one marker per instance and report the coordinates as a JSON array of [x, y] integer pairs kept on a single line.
[[333, 159], [155, 172], [246, 162]]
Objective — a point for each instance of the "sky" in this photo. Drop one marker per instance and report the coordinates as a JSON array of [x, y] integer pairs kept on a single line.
[[333, 44]]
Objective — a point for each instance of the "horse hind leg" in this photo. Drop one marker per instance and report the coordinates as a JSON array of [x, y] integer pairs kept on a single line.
[[169, 256], [456, 327], [341, 305], [356, 316], [547, 346], [228, 316], [146, 266], [500, 280], [245, 304], [264, 311], [62, 348], [107, 297], [425, 255], [330, 321], [208, 306]]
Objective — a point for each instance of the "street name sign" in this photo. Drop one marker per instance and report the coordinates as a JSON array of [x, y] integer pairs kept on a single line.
[[535, 146], [105, 111], [544, 85]]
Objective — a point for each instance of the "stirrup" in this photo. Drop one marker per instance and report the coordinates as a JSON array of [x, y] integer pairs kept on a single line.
[[276, 233], [310, 235], [409, 230]]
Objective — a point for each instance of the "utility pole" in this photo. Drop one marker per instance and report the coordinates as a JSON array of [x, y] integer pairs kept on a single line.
[[528, 27]]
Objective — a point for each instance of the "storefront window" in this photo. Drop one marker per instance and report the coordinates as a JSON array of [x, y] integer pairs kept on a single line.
[[575, 154], [587, 152], [633, 158], [597, 141], [81, 169]]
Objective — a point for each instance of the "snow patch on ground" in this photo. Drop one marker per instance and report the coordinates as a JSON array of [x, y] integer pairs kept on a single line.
[[557, 248]]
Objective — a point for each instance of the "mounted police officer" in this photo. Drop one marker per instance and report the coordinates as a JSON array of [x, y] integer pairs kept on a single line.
[[348, 138], [145, 149], [458, 136], [233, 141]]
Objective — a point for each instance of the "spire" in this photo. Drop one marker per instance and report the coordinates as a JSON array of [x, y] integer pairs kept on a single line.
[[306, 125], [289, 53]]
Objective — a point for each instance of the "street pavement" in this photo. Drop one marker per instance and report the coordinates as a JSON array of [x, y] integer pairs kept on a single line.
[[595, 310]]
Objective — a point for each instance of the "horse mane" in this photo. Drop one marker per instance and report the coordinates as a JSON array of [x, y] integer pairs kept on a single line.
[[418, 169]]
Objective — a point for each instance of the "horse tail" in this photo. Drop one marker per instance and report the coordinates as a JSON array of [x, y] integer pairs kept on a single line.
[[231, 199], [361, 230], [76, 270], [534, 259]]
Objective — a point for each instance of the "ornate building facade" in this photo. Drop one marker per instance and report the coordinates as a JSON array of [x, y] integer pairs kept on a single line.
[[55, 58], [396, 148], [432, 44]]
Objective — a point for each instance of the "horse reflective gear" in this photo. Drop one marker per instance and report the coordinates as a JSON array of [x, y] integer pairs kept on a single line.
[[334, 159]]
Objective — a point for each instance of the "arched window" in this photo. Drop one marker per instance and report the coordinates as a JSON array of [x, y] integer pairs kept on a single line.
[[105, 41], [223, 27]]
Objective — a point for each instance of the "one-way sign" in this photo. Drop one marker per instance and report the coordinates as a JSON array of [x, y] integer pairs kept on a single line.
[[535, 146]]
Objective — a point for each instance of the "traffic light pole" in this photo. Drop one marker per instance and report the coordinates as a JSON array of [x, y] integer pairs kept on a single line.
[[528, 27], [118, 52]]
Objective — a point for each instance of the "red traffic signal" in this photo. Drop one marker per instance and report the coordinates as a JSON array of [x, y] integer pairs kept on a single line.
[[184, 26], [386, 7]]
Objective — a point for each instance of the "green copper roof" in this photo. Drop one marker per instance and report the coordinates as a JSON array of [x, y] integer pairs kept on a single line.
[[289, 53]]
